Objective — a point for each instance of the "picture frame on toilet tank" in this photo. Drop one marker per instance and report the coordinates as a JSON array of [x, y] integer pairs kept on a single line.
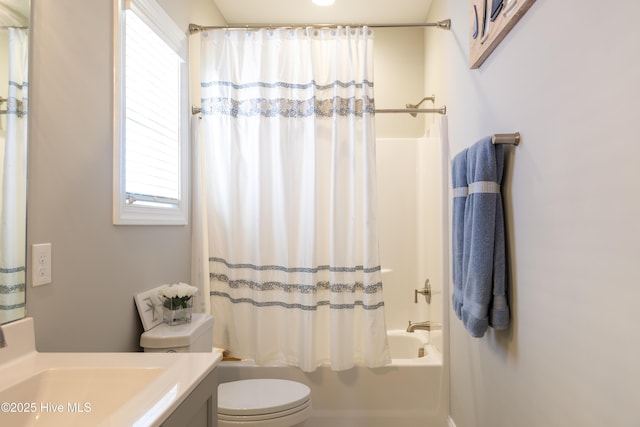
[[149, 308]]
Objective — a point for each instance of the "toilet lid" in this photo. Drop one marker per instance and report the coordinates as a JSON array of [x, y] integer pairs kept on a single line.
[[260, 396]]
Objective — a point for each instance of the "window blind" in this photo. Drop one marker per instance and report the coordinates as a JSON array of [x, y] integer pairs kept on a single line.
[[152, 124]]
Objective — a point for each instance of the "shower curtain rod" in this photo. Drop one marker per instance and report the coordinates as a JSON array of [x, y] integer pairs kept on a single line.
[[194, 28], [413, 111]]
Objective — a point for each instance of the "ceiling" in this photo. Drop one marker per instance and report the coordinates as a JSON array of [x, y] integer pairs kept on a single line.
[[288, 12]]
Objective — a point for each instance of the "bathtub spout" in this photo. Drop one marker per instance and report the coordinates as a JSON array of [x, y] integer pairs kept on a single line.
[[425, 326]]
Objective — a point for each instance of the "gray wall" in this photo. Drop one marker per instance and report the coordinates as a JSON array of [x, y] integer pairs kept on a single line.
[[567, 78], [97, 267]]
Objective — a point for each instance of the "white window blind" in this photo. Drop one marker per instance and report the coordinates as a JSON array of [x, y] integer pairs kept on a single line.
[[152, 125], [152, 146]]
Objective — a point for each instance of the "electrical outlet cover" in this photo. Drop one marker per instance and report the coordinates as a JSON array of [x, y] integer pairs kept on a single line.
[[40, 264]]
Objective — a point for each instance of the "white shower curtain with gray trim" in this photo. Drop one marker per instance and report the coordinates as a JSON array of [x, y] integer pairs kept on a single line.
[[13, 182], [290, 181]]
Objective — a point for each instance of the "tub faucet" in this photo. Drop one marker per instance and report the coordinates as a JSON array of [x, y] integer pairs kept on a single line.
[[425, 326], [3, 342]]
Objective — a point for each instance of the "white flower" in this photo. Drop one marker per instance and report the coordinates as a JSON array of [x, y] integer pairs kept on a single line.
[[176, 296], [179, 290]]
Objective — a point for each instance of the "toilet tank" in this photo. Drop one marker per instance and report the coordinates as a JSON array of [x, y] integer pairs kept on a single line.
[[193, 337]]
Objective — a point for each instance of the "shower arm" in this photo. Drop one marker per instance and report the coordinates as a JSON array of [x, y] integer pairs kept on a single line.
[[431, 98]]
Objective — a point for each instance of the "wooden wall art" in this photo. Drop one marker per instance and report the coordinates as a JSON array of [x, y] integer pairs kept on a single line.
[[491, 21]]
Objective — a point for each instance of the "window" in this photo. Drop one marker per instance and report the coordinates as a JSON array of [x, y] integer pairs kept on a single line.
[[151, 116]]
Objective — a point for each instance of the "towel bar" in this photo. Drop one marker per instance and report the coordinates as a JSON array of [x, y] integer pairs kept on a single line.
[[506, 138]]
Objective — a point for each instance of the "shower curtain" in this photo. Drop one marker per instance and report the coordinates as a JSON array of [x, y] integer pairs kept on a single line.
[[288, 152], [13, 187]]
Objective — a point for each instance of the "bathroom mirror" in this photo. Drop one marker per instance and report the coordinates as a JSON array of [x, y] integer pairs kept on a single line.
[[14, 42]]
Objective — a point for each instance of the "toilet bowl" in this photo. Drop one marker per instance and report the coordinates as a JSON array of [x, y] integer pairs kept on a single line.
[[263, 403], [249, 403]]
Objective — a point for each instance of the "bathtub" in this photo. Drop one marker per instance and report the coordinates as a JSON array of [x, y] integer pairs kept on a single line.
[[408, 393]]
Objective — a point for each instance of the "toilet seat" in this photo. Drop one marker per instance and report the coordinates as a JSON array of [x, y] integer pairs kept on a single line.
[[264, 417], [261, 400]]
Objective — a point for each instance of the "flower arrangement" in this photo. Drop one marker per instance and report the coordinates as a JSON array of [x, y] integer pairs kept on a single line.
[[177, 302], [177, 296]]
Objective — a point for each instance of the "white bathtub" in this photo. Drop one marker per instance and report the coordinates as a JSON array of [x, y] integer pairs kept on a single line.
[[407, 393]]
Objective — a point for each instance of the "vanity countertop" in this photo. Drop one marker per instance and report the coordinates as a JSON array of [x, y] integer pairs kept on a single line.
[[99, 389]]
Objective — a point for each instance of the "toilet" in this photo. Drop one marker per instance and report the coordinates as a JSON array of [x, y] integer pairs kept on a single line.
[[263, 403], [247, 403]]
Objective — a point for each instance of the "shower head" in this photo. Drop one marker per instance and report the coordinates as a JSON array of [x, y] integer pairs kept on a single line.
[[431, 98]]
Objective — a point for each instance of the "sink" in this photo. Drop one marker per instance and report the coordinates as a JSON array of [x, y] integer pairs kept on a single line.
[[92, 389], [64, 395]]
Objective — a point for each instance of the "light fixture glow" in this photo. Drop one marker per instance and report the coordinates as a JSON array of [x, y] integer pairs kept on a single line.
[[323, 2]]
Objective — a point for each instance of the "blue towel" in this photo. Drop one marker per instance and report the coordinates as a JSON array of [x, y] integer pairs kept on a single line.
[[460, 190], [483, 259]]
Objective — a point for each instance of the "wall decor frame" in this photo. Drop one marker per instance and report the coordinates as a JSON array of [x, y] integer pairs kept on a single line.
[[149, 308], [490, 22]]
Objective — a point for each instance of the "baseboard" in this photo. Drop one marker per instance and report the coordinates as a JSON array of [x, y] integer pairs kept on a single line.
[[450, 422]]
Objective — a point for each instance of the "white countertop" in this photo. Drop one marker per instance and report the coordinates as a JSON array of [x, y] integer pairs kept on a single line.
[[165, 380]]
